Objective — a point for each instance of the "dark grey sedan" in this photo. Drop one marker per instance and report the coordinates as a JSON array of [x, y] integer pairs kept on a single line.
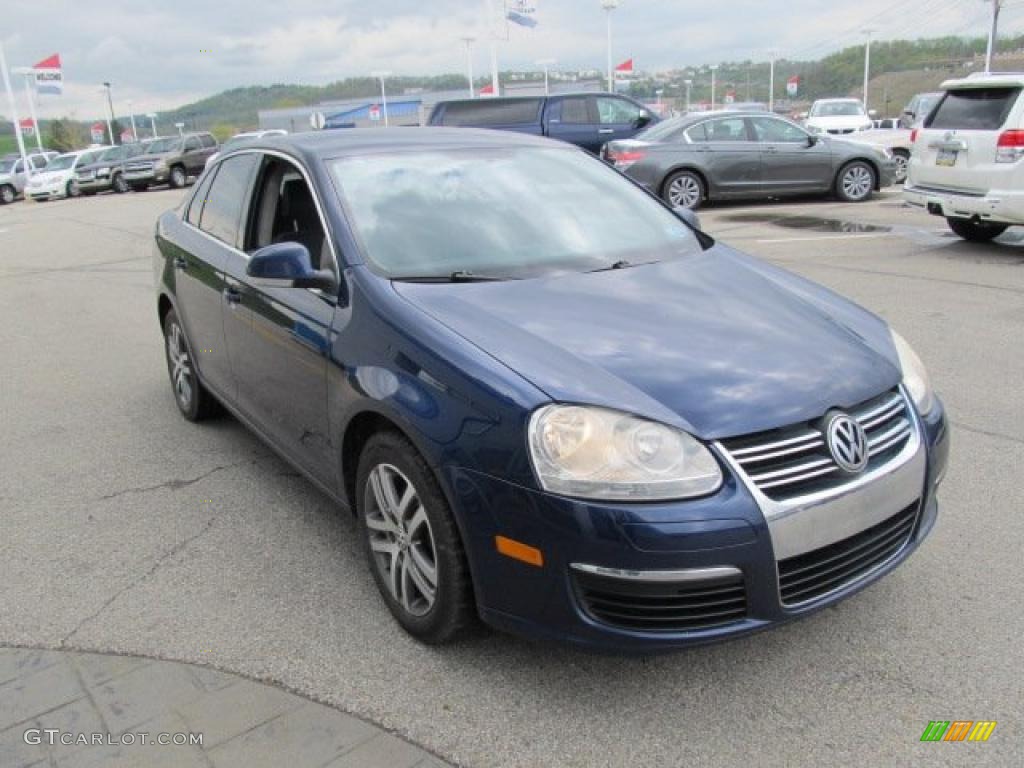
[[729, 155]]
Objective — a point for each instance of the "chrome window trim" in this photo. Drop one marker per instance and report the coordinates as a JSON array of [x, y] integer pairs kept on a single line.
[[684, 575], [305, 175]]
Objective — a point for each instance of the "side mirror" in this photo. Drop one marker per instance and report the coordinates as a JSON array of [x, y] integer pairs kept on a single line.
[[687, 216], [642, 122], [287, 265], [811, 139]]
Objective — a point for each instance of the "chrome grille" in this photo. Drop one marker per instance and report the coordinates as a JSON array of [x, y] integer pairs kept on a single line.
[[788, 462], [138, 167]]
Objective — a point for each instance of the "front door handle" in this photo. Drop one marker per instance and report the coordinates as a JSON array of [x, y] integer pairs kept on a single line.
[[606, 130], [180, 262], [771, 150], [232, 295]]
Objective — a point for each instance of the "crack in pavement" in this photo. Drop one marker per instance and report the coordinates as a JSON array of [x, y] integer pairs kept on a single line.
[[135, 582], [986, 432], [176, 484]]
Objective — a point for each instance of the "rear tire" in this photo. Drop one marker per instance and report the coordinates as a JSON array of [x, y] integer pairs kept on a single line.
[[684, 189], [976, 231], [7, 194], [901, 158], [193, 399], [855, 182], [412, 542]]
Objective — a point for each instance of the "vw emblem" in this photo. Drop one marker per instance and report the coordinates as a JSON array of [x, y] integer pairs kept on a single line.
[[847, 443]]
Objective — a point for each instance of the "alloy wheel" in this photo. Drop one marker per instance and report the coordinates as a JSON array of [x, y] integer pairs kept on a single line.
[[181, 366], [73, 189], [901, 168], [857, 182], [684, 191], [401, 539], [6, 195], [119, 184]]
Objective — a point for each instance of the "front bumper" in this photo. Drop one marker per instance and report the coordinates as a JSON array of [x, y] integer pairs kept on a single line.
[[94, 184], [47, 191], [998, 207], [154, 176], [725, 532]]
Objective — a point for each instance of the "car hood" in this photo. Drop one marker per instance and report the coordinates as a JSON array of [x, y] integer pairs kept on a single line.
[[718, 344], [889, 138], [150, 156], [47, 177]]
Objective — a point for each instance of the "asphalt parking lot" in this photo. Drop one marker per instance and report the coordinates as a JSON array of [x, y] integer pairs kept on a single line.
[[126, 529]]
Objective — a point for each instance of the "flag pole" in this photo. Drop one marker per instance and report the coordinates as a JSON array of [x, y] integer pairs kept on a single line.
[[29, 73], [14, 110]]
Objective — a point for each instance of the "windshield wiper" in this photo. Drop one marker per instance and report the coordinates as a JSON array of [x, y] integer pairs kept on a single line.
[[458, 276], [621, 264]]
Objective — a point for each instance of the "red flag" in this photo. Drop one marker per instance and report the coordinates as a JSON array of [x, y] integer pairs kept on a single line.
[[52, 62], [626, 66], [487, 90]]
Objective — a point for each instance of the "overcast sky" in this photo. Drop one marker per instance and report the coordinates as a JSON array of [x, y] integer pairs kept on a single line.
[[163, 53]]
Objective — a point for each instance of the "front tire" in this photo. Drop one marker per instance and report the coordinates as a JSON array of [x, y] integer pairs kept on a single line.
[[684, 189], [976, 231], [72, 189], [119, 185], [193, 399], [7, 194], [412, 542], [855, 182], [178, 177]]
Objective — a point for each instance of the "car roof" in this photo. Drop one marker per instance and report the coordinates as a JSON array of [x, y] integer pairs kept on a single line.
[[338, 142], [984, 79], [839, 98]]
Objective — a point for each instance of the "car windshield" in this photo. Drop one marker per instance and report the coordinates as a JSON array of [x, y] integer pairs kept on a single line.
[[88, 157], [516, 212], [61, 163], [236, 141], [837, 109], [114, 153], [165, 145]]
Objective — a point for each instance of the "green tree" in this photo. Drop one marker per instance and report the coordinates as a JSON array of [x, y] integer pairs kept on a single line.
[[63, 135], [223, 131]]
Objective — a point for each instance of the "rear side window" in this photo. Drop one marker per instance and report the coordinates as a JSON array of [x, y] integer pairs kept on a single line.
[[491, 112], [980, 109], [208, 140], [227, 197], [575, 112], [202, 192]]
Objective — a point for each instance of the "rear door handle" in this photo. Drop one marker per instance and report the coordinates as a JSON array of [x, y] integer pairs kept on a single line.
[[232, 295], [180, 262]]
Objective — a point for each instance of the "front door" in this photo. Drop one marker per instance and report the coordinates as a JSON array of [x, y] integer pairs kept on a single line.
[[574, 120], [791, 160], [278, 336]]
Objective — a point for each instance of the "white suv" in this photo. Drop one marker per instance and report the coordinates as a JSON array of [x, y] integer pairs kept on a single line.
[[966, 159]]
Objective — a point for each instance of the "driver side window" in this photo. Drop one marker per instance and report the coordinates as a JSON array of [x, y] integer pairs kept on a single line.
[[612, 111], [771, 130], [284, 210]]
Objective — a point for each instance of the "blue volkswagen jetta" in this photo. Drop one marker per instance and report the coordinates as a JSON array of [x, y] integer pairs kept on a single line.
[[550, 400]]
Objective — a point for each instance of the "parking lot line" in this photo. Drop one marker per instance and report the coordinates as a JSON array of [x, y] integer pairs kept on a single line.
[[824, 237]]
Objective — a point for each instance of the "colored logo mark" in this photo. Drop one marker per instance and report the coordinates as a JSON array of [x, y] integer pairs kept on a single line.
[[958, 730]]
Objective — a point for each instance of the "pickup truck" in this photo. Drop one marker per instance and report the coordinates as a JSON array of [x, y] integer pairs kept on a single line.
[[587, 120]]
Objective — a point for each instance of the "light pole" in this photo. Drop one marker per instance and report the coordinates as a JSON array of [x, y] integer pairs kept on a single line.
[[181, 128], [29, 73], [131, 115], [990, 50], [688, 83], [469, 61], [713, 68], [867, 65], [152, 122], [14, 111], [110, 114], [546, 63], [492, 35], [380, 74], [609, 6], [657, 94], [771, 80]]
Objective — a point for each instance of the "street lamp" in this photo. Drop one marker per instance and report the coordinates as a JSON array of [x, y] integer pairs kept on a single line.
[[546, 63], [688, 83], [657, 94], [152, 122], [380, 74], [713, 68], [110, 114], [609, 6], [867, 65], [469, 61], [29, 73], [131, 115]]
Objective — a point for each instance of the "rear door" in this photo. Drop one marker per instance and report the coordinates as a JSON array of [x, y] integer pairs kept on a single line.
[[790, 162], [730, 154], [573, 119], [956, 147], [192, 155]]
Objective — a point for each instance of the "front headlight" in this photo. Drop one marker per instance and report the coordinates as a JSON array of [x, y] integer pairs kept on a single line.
[[159, 164], [103, 172], [596, 453], [915, 377]]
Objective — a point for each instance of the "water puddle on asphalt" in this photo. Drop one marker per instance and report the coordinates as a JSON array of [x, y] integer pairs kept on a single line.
[[808, 223]]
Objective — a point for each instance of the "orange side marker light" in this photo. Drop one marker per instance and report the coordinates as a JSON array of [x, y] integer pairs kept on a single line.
[[519, 551]]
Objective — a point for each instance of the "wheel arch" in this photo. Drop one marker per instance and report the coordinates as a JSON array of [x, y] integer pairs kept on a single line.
[[358, 431], [685, 167]]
